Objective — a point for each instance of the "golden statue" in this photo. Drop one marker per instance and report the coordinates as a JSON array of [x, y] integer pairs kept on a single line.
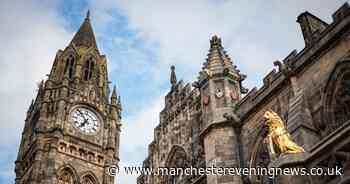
[[279, 139]]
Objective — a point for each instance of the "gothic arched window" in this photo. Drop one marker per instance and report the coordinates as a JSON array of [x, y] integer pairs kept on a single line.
[[260, 158], [337, 97], [65, 177], [342, 100], [88, 69], [88, 180], [69, 67], [176, 159]]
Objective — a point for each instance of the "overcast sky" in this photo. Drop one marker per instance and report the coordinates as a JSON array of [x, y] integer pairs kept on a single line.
[[141, 39]]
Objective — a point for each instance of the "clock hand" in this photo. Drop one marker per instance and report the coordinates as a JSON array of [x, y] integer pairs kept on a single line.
[[83, 124], [82, 114]]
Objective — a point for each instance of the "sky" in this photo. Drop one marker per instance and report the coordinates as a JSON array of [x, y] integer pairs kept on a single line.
[[141, 40]]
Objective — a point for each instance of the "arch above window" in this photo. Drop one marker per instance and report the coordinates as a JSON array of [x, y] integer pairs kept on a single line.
[[177, 158], [66, 175], [88, 178], [260, 157]]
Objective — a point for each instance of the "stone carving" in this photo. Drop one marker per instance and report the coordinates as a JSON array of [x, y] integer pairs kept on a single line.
[[278, 138], [284, 68]]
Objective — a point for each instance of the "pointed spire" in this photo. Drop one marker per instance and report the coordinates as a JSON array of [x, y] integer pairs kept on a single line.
[[114, 97], [114, 93], [217, 60], [88, 14], [85, 35], [119, 102], [173, 80]]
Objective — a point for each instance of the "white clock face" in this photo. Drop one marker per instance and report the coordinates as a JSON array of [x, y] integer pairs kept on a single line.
[[85, 120]]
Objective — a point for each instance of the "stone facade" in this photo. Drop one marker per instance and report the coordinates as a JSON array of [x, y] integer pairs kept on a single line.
[[53, 149], [211, 122]]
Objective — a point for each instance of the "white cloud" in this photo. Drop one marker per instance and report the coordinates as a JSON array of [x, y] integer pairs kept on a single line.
[[137, 133], [30, 35], [182, 29]]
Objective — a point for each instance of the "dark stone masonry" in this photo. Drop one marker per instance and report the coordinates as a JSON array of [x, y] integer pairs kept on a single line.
[[211, 122]]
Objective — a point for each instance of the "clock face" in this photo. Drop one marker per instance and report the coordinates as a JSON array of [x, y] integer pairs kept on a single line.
[[219, 93], [85, 120]]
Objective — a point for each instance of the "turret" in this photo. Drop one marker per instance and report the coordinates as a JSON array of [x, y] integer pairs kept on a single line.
[[219, 83]]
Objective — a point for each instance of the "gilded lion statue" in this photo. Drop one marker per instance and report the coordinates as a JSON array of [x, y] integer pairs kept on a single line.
[[278, 137]]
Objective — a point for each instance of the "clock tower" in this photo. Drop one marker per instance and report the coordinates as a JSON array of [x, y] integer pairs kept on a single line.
[[71, 131]]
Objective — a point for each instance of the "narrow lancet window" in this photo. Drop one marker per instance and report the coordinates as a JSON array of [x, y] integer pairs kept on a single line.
[[69, 68], [88, 69]]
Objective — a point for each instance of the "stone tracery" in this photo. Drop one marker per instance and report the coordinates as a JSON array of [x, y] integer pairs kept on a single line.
[[337, 97], [65, 176]]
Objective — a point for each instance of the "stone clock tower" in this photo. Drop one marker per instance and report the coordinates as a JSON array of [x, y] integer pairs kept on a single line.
[[72, 128]]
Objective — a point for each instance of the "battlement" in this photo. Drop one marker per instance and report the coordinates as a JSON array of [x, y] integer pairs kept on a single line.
[[179, 98]]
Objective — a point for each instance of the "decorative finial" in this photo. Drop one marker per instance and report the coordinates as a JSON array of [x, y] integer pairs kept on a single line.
[[215, 41], [114, 93], [173, 80]]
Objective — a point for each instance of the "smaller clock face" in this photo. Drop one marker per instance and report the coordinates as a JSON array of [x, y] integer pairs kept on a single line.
[[85, 120], [219, 93]]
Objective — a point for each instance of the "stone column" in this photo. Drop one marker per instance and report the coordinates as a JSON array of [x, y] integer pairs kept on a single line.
[[220, 145]]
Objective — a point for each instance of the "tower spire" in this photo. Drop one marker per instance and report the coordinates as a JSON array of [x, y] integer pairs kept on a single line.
[[217, 63], [87, 14], [217, 59], [85, 35]]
